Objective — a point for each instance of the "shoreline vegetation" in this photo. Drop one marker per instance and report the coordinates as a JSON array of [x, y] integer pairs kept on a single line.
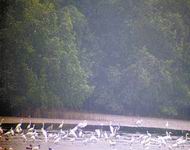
[[124, 57]]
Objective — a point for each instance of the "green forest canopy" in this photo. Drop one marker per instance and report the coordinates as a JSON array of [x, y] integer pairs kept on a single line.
[[111, 56]]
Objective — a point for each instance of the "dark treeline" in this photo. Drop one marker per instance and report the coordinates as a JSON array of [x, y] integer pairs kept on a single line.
[[110, 56]]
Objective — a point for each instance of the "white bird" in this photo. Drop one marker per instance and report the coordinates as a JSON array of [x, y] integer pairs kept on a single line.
[[72, 139], [148, 133], [186, 136], [139, 123], [44, 132], [168, 136], [10, 132], [32, 128], [66, 135], [80, 134], [73, 133], [113, 129], [82, 124], [146, 141], [161, 140], [93, 138], [29, 147], [61, 125], [105, 135], [36, 147], [30, 133], [132, 140], [24, 137], [85, 141], [62, 132], [180, 141], [1, 130], [98, 132], [75, 128], [147, 146], [33, 138], [111, 142], [56, 136], [18, 128], [57, 140], [19, 124], [29, 125]]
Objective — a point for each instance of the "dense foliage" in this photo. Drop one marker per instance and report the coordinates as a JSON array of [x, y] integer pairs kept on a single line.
[[41, 67], [113, 56]]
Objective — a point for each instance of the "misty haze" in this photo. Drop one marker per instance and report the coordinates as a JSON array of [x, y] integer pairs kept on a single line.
[[94, 74]]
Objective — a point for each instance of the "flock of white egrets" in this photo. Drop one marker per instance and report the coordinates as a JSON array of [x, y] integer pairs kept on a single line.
[[29, 135]]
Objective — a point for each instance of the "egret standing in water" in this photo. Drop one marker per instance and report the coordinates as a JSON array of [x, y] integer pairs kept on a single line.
[[29, 125], [44, 132], [18, 128], [1, 130], [61, 125], [113, 129]]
